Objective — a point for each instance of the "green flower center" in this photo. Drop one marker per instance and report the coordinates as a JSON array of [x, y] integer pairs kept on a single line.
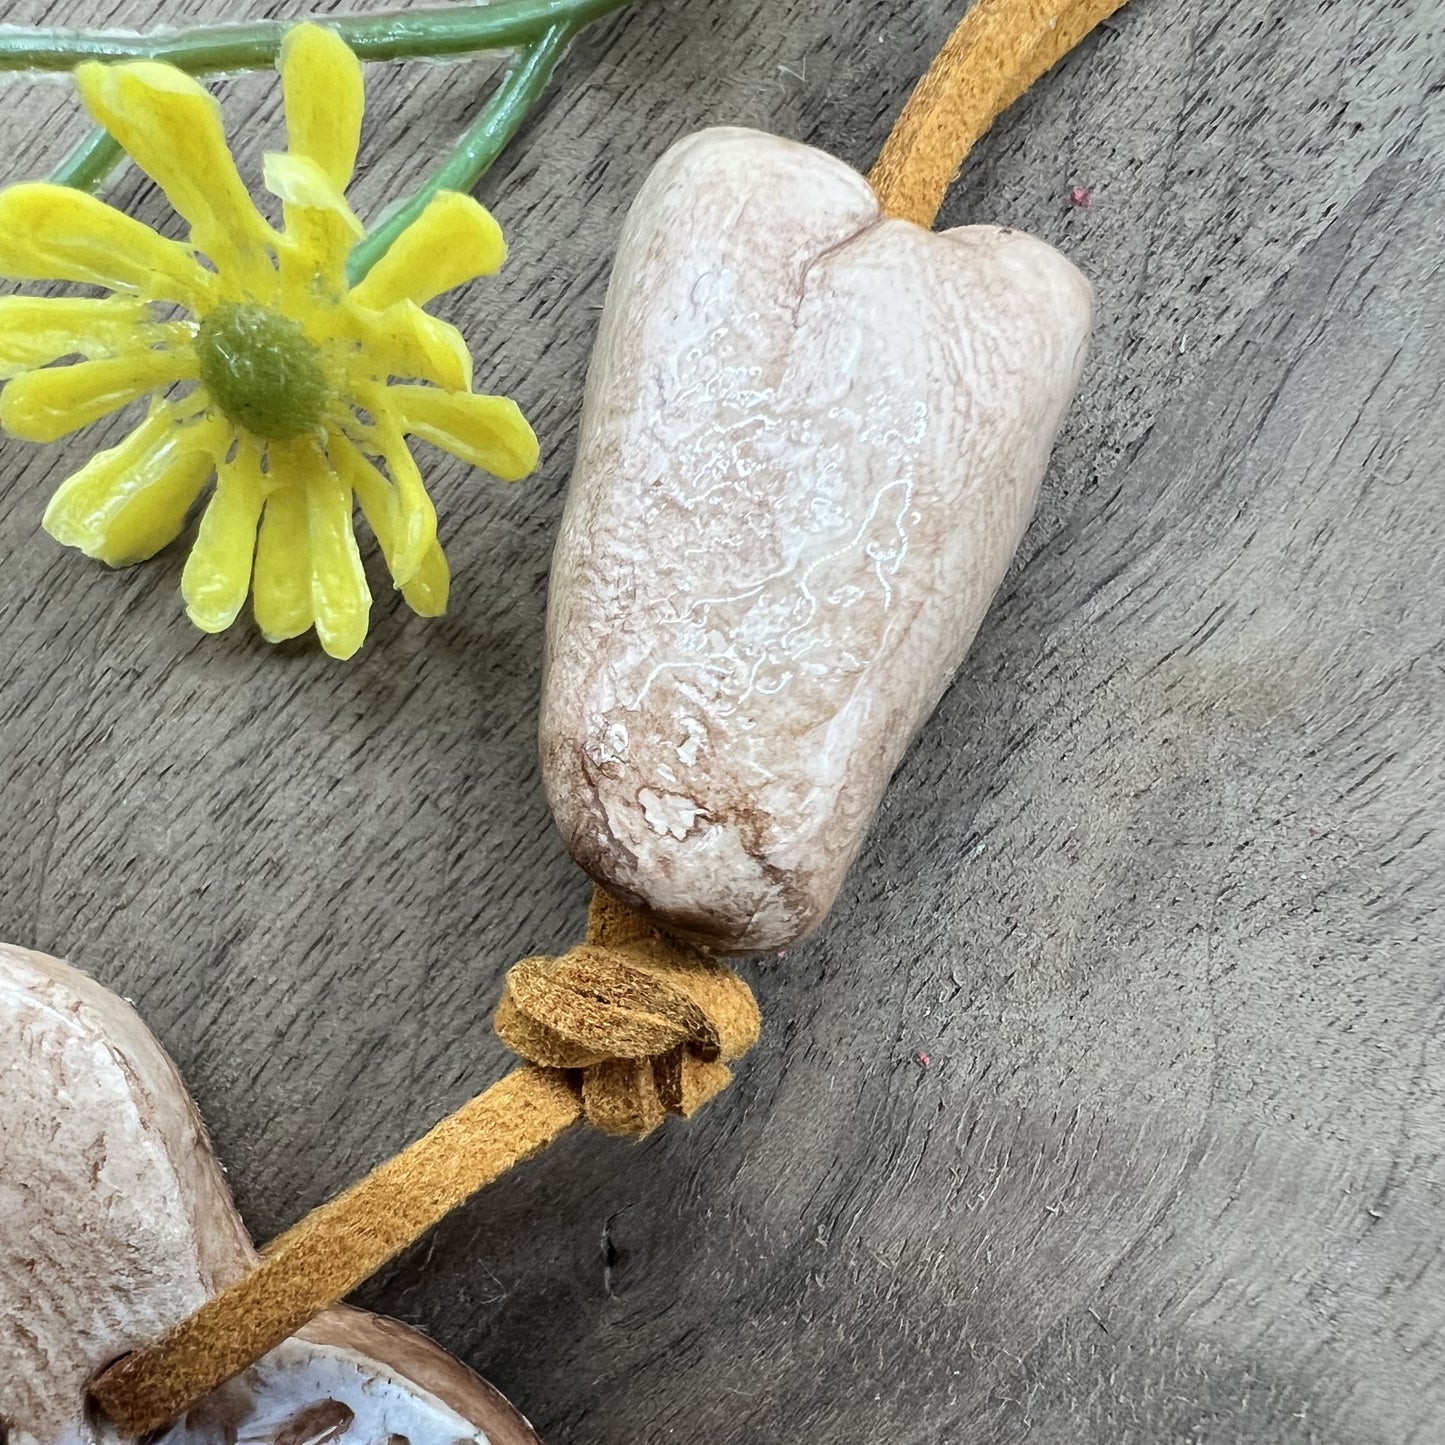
[[262, 370]]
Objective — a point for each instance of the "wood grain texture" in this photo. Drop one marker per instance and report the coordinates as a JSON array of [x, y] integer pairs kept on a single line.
[[1156, 893]]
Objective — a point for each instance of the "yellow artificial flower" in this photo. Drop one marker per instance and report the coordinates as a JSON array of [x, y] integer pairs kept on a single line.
[[264, 369]]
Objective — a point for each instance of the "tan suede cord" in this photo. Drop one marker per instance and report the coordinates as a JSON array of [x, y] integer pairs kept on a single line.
[[336, 1247], [631, 1025], [648, 1021], [625, 1029], [1000, 48]]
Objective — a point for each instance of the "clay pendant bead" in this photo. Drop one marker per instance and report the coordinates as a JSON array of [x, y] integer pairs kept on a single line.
[[115, 1223], [811, 441]]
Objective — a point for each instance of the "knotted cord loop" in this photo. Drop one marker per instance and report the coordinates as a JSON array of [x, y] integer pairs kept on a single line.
[[647, 1021], [625, 1029]]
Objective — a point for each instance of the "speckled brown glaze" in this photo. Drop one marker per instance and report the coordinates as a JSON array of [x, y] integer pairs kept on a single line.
[[811, 441], [115, 1223]]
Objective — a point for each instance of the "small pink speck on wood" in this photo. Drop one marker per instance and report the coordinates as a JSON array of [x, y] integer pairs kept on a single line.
[[1080, 197], [922, 1060]]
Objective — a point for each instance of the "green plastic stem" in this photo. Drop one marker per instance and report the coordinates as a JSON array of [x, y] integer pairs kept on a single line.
[[87, 166], [396, 35], [480, 145]]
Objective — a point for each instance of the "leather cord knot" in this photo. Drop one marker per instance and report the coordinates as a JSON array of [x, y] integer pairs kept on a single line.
[[648, 1021], [624, 1030]]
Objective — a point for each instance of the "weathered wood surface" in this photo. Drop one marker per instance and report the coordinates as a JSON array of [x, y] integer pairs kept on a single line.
[[1155, 896]]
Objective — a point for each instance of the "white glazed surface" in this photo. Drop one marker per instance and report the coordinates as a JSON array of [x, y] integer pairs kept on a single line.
[[812, 438]]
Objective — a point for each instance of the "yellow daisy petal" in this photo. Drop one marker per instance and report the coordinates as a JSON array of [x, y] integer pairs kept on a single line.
[[453, 240], [321, 228], [36, 330], [416, 516], [54, 233], [340, 598], [282, 587], [299, 181], [426, 591], [415, 527], [377, 496], [490, 432], [128, 502], [403, 341], [43, 405], [218, 571], [322, 82], [171, 127]]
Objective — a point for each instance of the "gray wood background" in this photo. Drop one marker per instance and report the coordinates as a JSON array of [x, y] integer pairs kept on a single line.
[[1156, 894]]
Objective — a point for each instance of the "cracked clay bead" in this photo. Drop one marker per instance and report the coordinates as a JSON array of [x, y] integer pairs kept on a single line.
[[811, 441]]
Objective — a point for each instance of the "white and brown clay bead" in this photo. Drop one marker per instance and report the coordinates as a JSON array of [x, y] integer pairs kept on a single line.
[[115, 1224], [812, 439]]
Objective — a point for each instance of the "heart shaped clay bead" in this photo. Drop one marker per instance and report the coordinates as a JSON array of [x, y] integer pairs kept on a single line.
[[115, 1224], [812, 438]]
